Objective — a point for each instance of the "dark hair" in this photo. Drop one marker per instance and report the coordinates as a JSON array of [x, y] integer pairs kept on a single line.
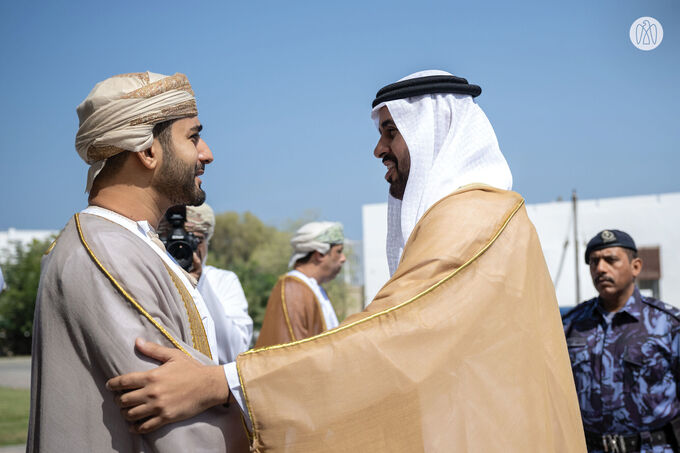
[[304, 259], [632, 254], [161, 131]]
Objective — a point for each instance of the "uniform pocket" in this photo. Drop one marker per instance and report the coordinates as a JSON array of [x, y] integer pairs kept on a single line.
[[645, 363]]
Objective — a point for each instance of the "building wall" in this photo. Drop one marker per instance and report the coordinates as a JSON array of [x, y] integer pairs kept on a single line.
[[376, 272], [652, 220], [10, 237]]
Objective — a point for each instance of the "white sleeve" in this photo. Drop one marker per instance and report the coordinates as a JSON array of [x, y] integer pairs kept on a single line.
[[231, 374], [227, 303]]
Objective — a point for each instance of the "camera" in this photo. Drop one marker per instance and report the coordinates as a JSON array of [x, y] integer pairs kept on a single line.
[[179, 243]]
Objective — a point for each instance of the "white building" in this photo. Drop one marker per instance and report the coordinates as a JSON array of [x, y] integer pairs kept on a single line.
[[652, 220], [9, 238]]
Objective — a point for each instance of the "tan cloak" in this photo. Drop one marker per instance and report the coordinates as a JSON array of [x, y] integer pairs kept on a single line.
[[461, 350], [84, 333], [293, 313]]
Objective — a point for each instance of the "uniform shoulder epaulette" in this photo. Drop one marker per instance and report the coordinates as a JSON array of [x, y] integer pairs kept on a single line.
[[663, 306], [579, 308]]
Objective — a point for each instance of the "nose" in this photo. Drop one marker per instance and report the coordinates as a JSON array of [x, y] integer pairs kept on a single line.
[[343, 258], [600, 268], [380, 149], [205, 155]]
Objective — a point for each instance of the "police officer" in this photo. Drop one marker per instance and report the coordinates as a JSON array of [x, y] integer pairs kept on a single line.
[[625, 351]]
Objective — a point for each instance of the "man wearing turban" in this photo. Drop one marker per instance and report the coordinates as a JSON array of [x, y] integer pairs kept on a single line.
[[107, 279], [220, 289], [462, 349], [298, 306]]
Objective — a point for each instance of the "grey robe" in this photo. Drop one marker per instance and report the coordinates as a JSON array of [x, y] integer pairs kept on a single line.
[[83, 335]]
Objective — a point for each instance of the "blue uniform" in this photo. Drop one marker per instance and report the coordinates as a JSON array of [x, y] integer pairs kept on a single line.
[[626, 365]]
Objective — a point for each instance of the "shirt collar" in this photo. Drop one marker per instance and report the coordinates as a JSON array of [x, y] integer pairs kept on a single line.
[[632, 308], [141, 228]]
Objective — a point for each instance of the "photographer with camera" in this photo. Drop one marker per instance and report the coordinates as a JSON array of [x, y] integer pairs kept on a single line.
[[186, 232]]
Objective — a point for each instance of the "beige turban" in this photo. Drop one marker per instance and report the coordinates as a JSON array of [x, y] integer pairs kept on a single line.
[[120, 112], [200, 219], [315, 236]]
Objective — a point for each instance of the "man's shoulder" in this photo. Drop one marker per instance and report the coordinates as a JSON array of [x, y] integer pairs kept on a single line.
[[485, 198], [90, 240], [581, 311], [659, 305], [293, 282], [216, 272]]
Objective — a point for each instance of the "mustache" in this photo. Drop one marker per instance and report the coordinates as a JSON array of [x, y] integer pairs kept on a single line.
[[604, 278], [389, 157]]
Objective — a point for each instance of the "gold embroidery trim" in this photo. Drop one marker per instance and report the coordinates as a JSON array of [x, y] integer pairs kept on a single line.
[[125, 294], [253, 436], [474, 257], [51, 246], [198, 336], [285, 308]]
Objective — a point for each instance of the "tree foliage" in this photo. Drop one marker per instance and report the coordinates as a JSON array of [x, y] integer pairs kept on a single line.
[[17, 301], [255, 252]]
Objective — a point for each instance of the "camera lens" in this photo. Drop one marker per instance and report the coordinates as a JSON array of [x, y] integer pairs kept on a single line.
[[182, 252]]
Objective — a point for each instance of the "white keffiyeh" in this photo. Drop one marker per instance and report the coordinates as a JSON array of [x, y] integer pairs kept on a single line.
[[451, 144]]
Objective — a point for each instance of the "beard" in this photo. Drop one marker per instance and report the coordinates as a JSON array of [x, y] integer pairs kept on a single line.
[[176, 180]]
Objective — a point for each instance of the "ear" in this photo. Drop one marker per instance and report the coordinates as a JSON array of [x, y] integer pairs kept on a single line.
[[317, 257], [636, 265], [151, 157]]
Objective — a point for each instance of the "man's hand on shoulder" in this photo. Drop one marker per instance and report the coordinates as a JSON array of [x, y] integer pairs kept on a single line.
[[178, 389]]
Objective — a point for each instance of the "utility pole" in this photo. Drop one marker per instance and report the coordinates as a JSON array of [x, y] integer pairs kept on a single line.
[[574, 199]]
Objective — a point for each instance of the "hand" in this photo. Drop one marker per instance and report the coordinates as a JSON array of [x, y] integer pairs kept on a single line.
[[196, 266], [178, 389]]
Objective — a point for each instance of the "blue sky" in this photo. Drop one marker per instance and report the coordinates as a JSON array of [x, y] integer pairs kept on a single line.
[[284, 92]]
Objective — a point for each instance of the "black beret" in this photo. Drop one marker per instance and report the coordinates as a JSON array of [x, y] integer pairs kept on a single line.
[[610, 238]]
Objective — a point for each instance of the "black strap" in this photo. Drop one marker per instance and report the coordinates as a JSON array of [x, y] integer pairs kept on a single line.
[[426, 85]]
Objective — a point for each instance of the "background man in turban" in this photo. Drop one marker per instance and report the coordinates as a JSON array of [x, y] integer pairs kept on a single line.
[[107, 278], [298, 306], [220, 289], [462, 349]]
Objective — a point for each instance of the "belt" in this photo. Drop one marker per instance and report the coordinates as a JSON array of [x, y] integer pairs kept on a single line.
[[620, 443]]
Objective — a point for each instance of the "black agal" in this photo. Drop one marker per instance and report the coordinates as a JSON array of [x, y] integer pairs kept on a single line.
[[426, 85]]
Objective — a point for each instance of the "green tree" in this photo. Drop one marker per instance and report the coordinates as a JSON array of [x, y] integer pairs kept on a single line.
[[17, 301], [256, 252]]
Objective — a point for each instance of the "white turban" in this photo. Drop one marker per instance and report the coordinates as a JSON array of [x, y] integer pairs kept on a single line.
[[451, 144], [315, 236], [201, 219], [120, 112]]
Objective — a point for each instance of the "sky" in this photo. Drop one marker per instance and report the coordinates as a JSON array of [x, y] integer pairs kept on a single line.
[[284, 91]]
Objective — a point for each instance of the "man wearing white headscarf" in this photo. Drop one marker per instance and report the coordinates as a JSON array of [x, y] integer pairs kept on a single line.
[[107, 279], [298, 306], [220, 289], [462, 349]]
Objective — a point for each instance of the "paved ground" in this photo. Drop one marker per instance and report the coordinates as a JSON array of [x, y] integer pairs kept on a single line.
[[15, 372]]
